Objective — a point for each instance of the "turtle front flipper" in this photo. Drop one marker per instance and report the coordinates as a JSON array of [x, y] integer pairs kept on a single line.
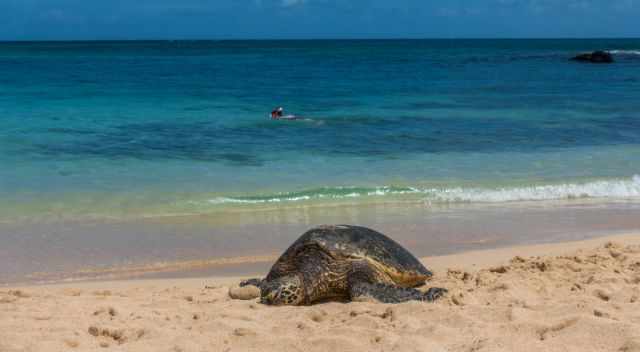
[[384, 293], [366, 282], [251, 282]]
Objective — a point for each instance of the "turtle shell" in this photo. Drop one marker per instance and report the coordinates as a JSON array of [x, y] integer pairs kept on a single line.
[[346, 242]]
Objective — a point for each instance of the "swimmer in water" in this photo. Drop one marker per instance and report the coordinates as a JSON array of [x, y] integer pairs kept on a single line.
[[277, 113]]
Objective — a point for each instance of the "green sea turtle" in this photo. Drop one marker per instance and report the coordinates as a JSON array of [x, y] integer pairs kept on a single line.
[[344, 263]]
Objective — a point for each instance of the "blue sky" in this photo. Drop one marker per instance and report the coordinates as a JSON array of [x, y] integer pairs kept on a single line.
[[237, 19]]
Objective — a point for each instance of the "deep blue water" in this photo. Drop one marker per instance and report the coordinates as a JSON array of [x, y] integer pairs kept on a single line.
[[157, 128]]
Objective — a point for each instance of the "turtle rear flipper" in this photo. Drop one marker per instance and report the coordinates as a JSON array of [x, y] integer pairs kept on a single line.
[[251, 282], [392, 294], [434, 293]]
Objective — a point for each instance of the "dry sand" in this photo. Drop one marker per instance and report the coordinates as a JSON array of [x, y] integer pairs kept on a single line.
[[580, 296]]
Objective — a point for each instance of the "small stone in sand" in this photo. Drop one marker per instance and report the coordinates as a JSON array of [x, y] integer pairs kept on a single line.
[[244, 293]]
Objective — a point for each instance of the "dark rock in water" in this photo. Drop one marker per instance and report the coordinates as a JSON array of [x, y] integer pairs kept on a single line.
[[582, 57], [601, 57], [597, 57]]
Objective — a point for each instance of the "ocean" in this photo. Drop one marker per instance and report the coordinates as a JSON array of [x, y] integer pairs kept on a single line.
[[126, 131]]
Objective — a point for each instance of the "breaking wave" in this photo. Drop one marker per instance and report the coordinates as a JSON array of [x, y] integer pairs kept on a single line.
[[612, 188], [116, 209], [626, 52], [598, 189]]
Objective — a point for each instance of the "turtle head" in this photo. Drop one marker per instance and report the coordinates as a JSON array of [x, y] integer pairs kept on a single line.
[[286, 290]]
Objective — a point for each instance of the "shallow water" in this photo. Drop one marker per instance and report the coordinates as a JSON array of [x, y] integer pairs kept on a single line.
[[138, 129]]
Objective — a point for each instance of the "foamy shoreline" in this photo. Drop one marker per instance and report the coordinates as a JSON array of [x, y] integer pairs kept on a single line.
[[573, 296]]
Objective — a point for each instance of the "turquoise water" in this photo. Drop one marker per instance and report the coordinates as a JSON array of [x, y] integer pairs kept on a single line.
[[139, 129]]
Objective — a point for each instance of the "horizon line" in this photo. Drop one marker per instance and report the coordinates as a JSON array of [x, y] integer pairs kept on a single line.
[[302, 39]]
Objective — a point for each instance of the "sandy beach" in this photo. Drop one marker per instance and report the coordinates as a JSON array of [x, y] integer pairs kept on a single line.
[[574, 296], [147, 167]]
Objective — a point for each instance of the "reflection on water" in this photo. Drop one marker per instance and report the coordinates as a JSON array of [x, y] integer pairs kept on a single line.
[[243, 242]]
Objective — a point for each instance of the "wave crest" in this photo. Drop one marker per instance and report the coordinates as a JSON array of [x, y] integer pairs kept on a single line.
[[598, 189], [319, 193], [613, 188], [626, 52]]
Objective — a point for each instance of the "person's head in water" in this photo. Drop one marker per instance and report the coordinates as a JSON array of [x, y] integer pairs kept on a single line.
[[277, 112]]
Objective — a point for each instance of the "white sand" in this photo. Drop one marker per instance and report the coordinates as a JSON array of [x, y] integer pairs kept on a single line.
[[579, 296]]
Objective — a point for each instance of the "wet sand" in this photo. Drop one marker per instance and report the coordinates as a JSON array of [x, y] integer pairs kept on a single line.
[[243, 242], [575, 296]]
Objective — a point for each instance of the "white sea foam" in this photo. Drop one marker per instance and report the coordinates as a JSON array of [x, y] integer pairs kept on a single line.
[[612, 188], [325, 193], [623, 188], [626, 52]]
